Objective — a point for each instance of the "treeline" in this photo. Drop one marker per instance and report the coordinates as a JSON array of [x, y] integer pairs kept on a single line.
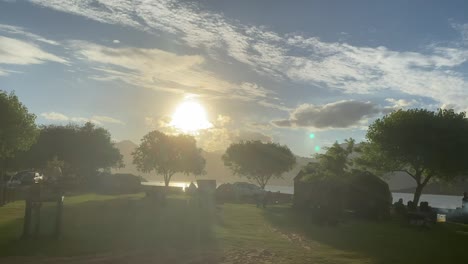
[[428, 145]]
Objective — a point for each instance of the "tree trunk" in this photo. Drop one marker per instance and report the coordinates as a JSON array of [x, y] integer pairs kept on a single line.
[[166, 180], [417, 194]]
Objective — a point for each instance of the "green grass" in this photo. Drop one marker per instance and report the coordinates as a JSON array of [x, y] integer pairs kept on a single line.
[[130, 227]]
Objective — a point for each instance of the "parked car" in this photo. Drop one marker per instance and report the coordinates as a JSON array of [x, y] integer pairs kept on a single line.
[[25, 178], [238, 192]]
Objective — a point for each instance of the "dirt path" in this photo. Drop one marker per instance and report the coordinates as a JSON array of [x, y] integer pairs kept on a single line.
[[254, 256]]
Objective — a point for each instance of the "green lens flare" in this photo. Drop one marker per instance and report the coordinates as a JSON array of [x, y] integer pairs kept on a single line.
[[317, 148], [312, 135]]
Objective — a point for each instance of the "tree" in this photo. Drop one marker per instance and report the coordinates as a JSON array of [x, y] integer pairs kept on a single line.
[[168, 155], [427, 145], [258, 161], [17, 128], [335, 160], [81, 150]]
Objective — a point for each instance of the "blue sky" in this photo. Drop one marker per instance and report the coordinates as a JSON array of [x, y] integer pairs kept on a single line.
[[269, 70]]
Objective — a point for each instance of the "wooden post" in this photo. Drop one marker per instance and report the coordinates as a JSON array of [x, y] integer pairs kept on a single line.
[[27, 218], [2, 189], [36, 207], [58, 214], [37, 218]]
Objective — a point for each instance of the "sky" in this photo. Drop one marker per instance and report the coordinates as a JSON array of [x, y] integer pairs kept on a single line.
[[300, 73]]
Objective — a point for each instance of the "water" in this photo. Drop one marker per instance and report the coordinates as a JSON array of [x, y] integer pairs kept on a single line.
[[439, 201]]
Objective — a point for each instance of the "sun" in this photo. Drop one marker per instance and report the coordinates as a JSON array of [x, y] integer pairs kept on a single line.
[[190, 117]]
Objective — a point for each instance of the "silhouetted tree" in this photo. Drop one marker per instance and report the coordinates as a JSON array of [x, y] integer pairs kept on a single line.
[[82, 150], [17, 128], [426, 145], [335, 161], [17, 132], [258, 161], [168, 155]]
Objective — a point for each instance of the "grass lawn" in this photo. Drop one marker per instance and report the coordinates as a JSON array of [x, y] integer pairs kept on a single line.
[[128, 229]]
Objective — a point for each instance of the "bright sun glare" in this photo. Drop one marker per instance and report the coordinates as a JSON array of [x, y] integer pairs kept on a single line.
[[190, 117]]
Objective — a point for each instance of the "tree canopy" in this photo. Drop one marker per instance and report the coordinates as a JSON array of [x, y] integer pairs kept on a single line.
[[168, 155], [335, 161], [82, 149], [425, 144], [17, 128], [258, 161]]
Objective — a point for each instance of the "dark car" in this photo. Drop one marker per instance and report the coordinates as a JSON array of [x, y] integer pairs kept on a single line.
[[25, 178]]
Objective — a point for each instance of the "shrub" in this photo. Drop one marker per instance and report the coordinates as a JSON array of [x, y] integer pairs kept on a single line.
[[327, 196], [368, 195]]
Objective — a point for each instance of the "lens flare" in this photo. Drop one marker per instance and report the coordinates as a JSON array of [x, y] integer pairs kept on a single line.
[[317, 148], [312, 135]]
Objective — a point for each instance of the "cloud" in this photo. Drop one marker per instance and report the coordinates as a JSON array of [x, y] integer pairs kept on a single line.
[[14, 30], [97, 119], [434, 72], [107, 119], [341, 114], [116, 41], [223, 120], [219, 138], [463, 30], [244, 135], [13, 51], [162, 70], [55, 116], [401, 103]]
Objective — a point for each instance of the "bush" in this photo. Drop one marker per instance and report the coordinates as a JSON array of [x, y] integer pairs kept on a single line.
[[368, 195], [327, 196]]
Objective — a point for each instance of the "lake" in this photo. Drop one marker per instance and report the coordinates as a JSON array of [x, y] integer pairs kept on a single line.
[[439, 201]]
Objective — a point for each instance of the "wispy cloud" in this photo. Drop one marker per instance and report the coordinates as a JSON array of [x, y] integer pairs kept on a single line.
[[107, 119], [97, 119], [15, 30], [294, 57], [14, 51], [161, 70]]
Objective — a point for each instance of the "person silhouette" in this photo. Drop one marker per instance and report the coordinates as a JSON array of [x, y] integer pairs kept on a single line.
[[465, 201]]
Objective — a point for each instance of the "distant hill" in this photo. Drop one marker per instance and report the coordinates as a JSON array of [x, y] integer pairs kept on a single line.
[[216, 170]]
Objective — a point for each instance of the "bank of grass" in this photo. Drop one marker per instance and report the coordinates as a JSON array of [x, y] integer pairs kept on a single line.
[[97, 224]]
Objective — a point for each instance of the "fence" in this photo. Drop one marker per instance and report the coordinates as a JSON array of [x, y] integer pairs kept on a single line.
[[8, 195]]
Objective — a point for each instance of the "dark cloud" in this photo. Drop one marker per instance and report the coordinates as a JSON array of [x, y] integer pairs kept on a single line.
[[341, 114]]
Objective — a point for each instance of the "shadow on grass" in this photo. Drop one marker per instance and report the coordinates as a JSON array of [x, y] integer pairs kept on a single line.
[[116, 225], [384, 242]]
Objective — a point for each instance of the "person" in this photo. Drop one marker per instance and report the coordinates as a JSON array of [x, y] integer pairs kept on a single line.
[[411, 206], [400, 207], [266, 199], [465, 201]]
